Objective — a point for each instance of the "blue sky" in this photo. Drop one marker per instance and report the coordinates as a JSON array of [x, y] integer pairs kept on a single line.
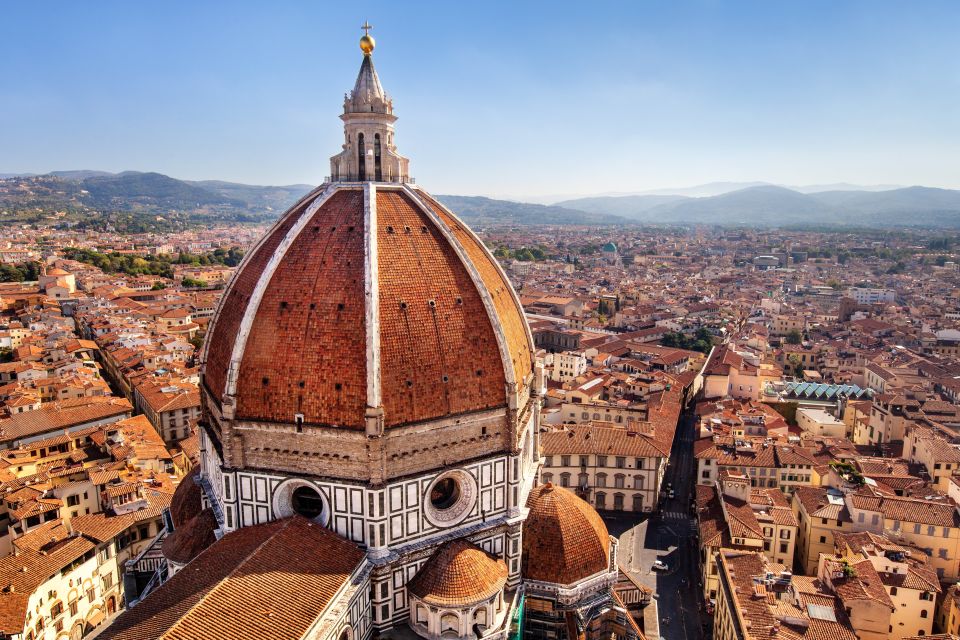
[[494, 98]]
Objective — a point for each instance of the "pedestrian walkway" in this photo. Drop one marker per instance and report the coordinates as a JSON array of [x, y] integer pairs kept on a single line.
[[674, 515]]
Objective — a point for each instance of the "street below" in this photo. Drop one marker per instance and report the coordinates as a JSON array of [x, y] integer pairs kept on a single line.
[[669, 535]]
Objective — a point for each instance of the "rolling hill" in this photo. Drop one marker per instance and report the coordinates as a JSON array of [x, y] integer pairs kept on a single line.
[[624, 206], [478, 210], [152, 201], [772, 206]]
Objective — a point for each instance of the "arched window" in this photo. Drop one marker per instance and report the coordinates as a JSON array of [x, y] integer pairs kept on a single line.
[[480, 616], [361, 158], [547, 477], [638, 482], [618, 480], [618, 502], [638, 502], [601, 479], [601, 500], [423, 615], [378, 172], [450, 625], [564, 479]]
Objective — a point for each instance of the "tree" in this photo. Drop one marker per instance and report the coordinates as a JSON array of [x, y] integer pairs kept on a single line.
[[701, 341], [795, 363], [192, 283], [794, 336], [159, 286], [28, 271]]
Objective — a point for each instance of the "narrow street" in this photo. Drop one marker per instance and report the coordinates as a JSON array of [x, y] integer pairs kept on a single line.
[[670, 535]]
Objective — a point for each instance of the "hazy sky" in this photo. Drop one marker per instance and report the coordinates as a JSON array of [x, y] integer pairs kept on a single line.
[[494, 98]]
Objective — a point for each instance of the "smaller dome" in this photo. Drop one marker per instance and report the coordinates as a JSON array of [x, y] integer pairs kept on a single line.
[[459, 574], [187, 541], [56, 272], [564, 539], [187, 499]]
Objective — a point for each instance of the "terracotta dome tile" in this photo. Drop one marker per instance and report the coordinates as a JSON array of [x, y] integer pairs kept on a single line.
[[458, 574], [187, 541], [307, 350], [564, 538], [187, 499]]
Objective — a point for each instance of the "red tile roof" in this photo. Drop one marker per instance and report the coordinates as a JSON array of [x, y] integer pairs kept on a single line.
[[188, 540], [307, 351], [187, 499], [270, 581], [564, 539], [458, 574]]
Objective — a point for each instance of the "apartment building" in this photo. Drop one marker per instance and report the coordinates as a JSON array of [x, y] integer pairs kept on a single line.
[[757, 599], [731, 515], [609, 466], [904, 571]]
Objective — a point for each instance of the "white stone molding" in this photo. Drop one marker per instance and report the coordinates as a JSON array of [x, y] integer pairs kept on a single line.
[[246, 258], [371, 291], [508, 370], [253, 305]]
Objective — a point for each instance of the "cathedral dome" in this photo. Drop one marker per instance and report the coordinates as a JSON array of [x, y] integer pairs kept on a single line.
[[366, 299], [458, 574], [187, 499], [564, 539], [187, 541]]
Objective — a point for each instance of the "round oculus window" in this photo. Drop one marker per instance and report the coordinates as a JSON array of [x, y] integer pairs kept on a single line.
[[300, 497], [444, 494], [307, 502], [450, 498]]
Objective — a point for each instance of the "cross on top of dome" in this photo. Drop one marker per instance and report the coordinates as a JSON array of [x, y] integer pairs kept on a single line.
[[367, 43], [368, 150]]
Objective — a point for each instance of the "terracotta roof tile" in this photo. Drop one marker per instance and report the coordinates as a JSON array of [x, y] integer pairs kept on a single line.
[[595, 439], [564, 539], [458, 574], [268, 581], [307, 351], [511, 317], [439, 354], [187, 499], [187, 541]]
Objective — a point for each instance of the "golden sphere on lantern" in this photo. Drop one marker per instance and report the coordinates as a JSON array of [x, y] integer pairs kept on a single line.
[[367, 43]]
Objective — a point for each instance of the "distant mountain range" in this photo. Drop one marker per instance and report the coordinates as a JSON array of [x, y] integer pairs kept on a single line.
[[137, 201], [707, 190], [155, 201], [768, 205], [183, 202], [476, 209]]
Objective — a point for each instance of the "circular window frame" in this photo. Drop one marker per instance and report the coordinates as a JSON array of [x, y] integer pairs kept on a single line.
[[283, 500], [459, 510]]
